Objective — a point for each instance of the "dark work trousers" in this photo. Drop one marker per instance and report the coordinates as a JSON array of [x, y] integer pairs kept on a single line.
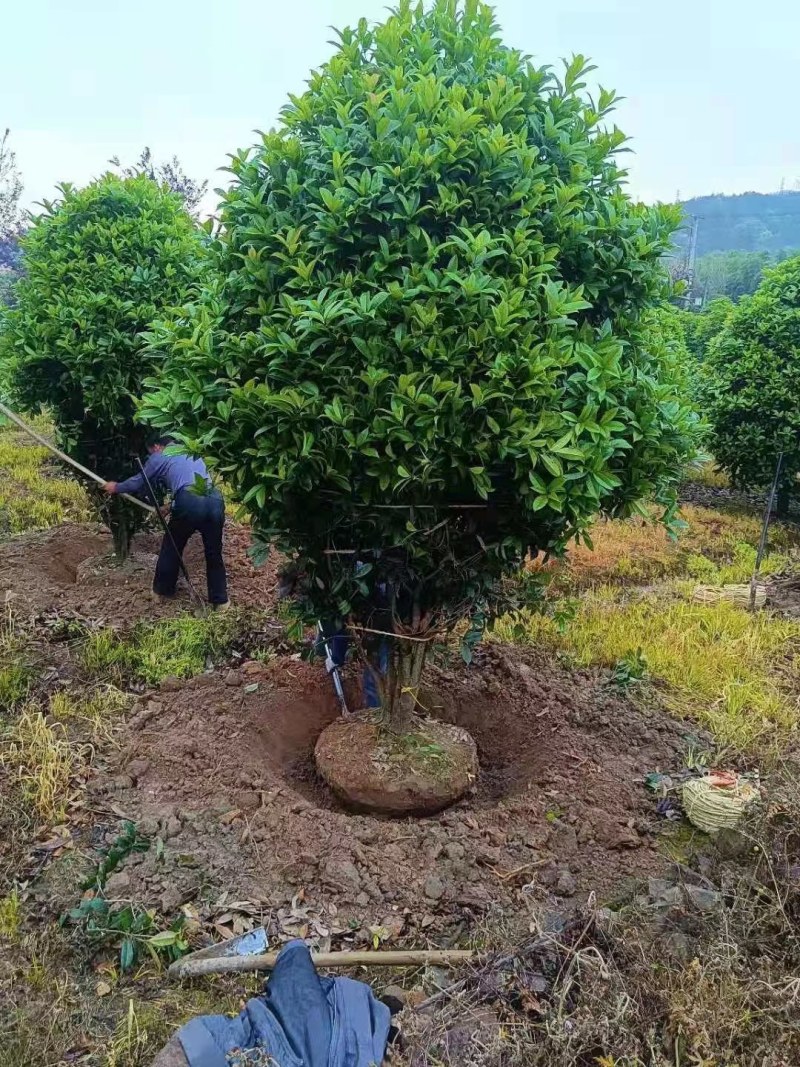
[[194, 513]]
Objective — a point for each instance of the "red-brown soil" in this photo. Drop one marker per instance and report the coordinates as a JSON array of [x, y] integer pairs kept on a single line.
[[222, 768], [71, 568], [420, 773]]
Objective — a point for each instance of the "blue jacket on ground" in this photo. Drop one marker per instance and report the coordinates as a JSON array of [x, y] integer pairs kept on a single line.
[[301, 1020]]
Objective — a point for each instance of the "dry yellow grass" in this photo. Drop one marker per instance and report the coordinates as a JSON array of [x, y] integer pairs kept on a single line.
[[730, 670], [715, 546], [40, 758], [708, 474], [99, 711]]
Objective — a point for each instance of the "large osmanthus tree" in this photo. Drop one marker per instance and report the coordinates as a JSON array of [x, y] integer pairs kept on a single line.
[[751, 385], [99, 265], [429, 346]]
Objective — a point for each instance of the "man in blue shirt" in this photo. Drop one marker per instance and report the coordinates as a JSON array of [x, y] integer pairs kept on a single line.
[[191, 512]]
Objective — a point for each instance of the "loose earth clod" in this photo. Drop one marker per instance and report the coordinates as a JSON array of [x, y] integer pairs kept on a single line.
[[419, 772]]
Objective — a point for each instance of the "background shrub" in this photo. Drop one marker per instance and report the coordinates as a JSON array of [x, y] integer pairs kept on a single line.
[[99, 265]]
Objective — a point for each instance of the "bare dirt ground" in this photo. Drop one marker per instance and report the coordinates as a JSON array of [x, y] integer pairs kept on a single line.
[[71, 568], [222, 767], [217, 772]]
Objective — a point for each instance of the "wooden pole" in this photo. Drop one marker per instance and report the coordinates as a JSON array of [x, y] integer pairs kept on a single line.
[[762, 541], [193, 968], [9, 414]]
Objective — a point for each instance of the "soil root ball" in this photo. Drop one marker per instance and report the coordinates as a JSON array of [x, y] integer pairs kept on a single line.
[[419, 772]]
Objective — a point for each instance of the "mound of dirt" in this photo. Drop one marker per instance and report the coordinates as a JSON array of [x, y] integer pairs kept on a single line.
[[222, 768], [418, 774], [71, 568]]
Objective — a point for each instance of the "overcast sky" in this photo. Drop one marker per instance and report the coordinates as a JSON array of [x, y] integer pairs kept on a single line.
[[710, 85]]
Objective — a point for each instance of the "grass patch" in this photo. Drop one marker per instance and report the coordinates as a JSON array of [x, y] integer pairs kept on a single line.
[[14, 685], [10, 915], [16, 674], [151, 652], [33, 495], [98, 712], [717, 659], [40, 758], [717, 546], [708, 474]]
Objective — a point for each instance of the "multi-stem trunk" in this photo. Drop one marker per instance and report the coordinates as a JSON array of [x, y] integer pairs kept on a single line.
[[399, 686]]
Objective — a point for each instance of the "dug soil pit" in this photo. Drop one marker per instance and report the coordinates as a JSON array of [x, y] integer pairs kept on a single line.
[[420, 772], [221, 769], [71, 569]]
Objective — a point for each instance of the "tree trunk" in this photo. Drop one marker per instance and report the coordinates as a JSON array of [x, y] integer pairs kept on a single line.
[[400, 686], [122, 535]]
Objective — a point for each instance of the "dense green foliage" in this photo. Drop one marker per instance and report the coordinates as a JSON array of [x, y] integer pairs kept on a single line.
[[701, 327], [430, 339], [748, 222], [99, 266], [752, 382]]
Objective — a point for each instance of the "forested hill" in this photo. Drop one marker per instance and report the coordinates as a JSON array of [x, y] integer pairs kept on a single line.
[[749, 222]]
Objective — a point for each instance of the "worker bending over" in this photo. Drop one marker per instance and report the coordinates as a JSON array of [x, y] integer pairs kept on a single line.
[[191, 511]]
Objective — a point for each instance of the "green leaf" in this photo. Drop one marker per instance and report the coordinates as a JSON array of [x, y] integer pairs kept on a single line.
[[127, 954], [163, 939]]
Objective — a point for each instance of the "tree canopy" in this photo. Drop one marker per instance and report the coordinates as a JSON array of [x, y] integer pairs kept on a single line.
[[701, 327], [10, 190], [429, 342], [751, 382], [735, 274], [99, 265], [171, 174]]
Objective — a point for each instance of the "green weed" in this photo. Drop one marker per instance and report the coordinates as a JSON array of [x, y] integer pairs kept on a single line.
[[128, 841], [630, 668], [14, 685], [178, 648], [10, 915], [133, 931]]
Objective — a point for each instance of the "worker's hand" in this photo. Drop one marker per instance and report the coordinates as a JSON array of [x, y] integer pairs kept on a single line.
[[164, 511], [110, 488]]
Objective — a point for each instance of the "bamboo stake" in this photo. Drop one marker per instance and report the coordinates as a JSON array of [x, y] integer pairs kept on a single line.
[[762, 541], [9, 414], [189, 968]]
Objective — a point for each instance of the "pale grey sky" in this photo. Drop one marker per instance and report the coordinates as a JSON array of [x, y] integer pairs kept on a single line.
[[710, 85]]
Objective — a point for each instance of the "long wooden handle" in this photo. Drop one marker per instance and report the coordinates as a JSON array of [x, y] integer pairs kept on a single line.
[[189, 968], [9, 414]]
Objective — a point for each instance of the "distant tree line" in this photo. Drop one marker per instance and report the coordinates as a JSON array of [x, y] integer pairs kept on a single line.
[[735, 274]]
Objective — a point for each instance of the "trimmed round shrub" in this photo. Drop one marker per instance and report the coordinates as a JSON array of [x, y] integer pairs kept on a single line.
[[429, 348], [99, 265]]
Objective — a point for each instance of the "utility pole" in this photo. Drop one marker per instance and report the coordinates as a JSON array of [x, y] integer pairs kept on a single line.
[[691, 261]]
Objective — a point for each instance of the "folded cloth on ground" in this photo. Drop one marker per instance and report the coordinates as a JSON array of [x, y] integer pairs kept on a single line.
[[300, 1020]]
